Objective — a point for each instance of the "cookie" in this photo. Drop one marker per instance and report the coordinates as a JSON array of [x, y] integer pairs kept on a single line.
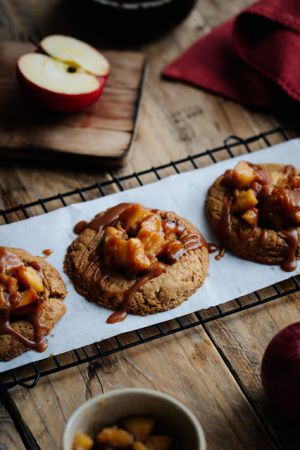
[[137, 260], [254, 210], [31, 294]]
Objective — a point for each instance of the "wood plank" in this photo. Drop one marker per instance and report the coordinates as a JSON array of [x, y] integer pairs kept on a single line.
[[8, 29], [186, 366], [9, 436], [102, 134], [242, 340]]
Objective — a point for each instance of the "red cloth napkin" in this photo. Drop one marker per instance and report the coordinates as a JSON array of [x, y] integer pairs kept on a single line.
[[253, 58]]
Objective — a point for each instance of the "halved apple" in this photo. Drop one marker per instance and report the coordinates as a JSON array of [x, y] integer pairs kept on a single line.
[[69, 76]]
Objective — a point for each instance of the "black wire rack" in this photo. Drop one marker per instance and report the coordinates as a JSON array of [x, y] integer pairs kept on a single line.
[[29, 375]]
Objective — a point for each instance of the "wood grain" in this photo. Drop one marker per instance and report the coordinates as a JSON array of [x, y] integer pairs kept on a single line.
[[186, 366], [213, 371], [101, 134], [242, 341], [9, 436]]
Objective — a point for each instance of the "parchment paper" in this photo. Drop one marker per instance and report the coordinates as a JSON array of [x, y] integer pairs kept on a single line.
[[85, 323]]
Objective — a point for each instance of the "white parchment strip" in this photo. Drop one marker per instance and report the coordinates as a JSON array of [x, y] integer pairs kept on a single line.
[[85, 323]]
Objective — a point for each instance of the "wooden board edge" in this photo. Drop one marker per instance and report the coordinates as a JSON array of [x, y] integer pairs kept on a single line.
[[46, 156], [136, 117]]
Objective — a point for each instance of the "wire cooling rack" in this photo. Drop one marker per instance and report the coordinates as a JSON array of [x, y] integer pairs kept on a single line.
[[29, 375]]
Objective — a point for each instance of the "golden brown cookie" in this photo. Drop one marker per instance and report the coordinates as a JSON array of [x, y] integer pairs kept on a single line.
[[254, 210], [133, 259], [31, 294]]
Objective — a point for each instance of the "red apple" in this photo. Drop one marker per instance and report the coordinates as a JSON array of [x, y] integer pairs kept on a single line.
[[281, 371], [69, 76]]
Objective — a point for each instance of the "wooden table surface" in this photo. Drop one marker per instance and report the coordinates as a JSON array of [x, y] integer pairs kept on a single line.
[[214, 369]]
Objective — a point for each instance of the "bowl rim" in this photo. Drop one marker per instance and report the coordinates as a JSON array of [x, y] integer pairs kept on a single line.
[[125, 391]]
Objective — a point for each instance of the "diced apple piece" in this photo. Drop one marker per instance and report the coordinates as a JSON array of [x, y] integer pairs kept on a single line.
[[140, 426], [174, 250], [290, 171], [26, 298], [251, 216], [158, 443], [9, 261], [4, 278], [116, 437], [243, 175], [12, 285], [133, 215], [295, 183], [9, 282], [139, 446], [278, 178], [152, 223], [152, 241], [115, 248], [151, 235], [245, 200], [82, 442], [30, 278], [297, 217], [128, 253], [137, 258], [3, 299]]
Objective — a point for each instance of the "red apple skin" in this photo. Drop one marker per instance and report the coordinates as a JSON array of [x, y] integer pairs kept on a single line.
[[280, 372], [59, 101]]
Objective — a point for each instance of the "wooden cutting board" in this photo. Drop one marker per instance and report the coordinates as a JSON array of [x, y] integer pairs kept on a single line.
[[101, 134]]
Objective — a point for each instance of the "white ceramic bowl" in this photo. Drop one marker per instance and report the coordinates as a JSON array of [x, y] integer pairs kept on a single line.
[[108, 408]]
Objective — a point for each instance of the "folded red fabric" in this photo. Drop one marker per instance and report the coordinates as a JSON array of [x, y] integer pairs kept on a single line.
[[253, 58]]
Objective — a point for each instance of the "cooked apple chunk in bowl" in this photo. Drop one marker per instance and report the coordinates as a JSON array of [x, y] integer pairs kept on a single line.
[[131, 433], [133, 419]]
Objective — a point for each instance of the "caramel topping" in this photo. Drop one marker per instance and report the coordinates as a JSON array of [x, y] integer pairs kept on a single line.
[[271, 202], [20, 298], [80, 227], [8, 261], [143, 237], [289, 262], [138, 242]]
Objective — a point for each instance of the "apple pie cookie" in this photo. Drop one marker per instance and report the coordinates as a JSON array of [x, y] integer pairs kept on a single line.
[[254, 211], [138, 260], [31, 294]]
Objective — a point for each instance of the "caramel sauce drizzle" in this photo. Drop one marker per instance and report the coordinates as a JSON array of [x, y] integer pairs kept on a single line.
[[121, 313], [289, 258], [213, 248], [80, 226], [221, 253], [9, 262], [224, 224], [279, 215], [189, 242]]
